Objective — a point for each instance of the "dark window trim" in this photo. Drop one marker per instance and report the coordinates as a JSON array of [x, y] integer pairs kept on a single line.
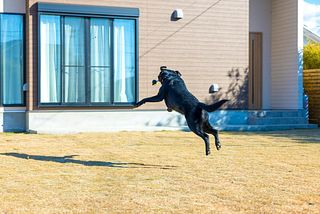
[[23, 104], [89, 15], [88, 9]]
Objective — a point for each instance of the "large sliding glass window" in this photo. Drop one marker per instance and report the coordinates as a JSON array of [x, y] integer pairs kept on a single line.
[[87, 60], [12, 59]]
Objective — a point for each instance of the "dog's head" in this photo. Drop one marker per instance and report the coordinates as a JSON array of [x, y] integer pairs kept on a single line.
[[166, 73]]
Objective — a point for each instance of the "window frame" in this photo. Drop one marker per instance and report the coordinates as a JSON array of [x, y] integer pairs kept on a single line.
[[24, 79], [88, 12]]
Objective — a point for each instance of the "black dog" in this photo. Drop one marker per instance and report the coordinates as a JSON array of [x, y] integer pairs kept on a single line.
[[178, 98]]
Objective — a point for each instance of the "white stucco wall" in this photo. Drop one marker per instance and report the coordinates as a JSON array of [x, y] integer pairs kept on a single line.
[[286, 59], [12, 6], [67, 121], [260, 21]]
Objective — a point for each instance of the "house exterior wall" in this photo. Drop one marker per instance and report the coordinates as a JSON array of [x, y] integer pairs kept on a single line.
[[286, 59], [260, 21], [208, 43], [12, 6]]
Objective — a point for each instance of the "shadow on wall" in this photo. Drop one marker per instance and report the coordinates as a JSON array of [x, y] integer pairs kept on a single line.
[[236, 92]]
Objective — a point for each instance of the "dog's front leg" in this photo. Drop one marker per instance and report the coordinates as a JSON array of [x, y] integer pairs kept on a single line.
[[159, 97]]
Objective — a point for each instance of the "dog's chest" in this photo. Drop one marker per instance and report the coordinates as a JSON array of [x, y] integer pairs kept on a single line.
[[174, 95]]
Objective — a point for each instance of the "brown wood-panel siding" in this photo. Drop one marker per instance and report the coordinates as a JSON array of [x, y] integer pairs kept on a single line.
[[209, 45], [311, 84]]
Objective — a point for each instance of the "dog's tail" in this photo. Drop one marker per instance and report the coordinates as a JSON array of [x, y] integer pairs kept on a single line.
[[212, 107]]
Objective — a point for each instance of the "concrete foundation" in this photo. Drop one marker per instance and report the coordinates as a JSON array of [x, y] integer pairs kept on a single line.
[[125, 120], [12, 119], [103, 121]]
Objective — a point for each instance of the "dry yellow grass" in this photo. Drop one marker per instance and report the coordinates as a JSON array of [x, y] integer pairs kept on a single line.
[[160, 172]]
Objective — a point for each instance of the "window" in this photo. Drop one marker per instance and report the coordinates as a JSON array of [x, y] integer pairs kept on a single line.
[[87, 60], [50, 49], [74, 60], [12, 59], [124, 60], [100, 61]]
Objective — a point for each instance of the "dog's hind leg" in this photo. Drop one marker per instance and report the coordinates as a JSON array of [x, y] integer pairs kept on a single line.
[[205, 138], [198, 131], [210, 130]]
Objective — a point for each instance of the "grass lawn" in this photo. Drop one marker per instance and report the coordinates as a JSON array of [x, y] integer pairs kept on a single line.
[[144, 172]]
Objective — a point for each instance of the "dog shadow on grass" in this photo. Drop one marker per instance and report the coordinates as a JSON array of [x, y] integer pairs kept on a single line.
[[69, 159]]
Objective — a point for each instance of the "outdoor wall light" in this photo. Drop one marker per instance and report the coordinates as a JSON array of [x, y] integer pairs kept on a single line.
[[25, 87], [213, 88], [177, 14]]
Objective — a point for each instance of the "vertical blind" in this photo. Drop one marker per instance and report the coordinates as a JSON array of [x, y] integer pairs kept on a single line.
[[99, 49]]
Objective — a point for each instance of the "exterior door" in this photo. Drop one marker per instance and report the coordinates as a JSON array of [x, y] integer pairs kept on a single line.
[[255, 71]]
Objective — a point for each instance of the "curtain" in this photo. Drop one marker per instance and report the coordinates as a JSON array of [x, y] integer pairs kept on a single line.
[[12, 58], [100, 48], [124, 60], [50, 50], [74, 70]]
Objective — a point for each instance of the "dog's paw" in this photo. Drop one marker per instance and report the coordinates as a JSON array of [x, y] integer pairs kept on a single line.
[[139, 104], [208, 152], [218, 146]]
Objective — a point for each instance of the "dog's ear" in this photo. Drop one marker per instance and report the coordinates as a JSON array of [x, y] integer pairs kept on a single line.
[[178, 73], [163, 67]]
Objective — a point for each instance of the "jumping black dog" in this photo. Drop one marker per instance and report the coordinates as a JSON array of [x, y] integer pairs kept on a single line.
[[177, 97]]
